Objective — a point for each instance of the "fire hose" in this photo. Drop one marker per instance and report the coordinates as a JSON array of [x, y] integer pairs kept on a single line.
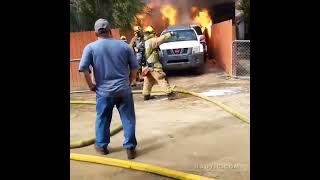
[[87, 142], [142, 166], [137, 166], [82, 143]]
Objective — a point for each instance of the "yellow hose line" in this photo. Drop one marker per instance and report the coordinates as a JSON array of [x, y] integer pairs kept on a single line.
[[87, 142], [82, 143], [82, 102], [137, 166], [142, 166], [72, 92], [218, 103], [155, 93]]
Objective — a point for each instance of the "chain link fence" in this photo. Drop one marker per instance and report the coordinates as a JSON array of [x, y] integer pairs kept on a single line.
[[241, 58]]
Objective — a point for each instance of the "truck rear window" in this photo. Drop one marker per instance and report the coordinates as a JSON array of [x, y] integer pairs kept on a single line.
[[183, 35]]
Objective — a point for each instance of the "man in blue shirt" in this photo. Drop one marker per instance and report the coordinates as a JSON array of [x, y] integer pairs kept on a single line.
[[114, 67]]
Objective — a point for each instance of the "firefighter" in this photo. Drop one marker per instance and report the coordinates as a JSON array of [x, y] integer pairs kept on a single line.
[[152, 70], [123, 38], [137, 43]]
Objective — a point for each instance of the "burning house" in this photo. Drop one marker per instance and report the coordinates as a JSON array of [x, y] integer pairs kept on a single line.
[[210, 15]]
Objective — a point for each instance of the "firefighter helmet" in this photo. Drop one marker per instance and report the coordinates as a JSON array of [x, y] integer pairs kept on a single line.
[[137, 28], [123, 38], [149, 29]]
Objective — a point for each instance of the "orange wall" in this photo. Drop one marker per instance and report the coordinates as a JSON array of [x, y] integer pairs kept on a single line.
[[78, 40], [221, 44]]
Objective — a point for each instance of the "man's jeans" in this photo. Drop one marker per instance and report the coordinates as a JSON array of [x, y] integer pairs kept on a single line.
[[104, 108]]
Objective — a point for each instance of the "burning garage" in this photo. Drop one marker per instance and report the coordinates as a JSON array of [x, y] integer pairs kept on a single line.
[[212, 22]]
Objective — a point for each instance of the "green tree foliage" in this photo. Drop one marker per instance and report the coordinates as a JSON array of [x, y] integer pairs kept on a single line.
[[245, 7], [120, 13]]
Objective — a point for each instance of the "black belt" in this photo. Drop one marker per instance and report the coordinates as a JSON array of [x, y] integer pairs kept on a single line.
[[150, 65]]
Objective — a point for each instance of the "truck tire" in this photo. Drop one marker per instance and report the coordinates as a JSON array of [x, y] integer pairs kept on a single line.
[[201, 69]]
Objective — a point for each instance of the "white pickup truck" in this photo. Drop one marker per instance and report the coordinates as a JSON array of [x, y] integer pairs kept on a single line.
[[182, 51]]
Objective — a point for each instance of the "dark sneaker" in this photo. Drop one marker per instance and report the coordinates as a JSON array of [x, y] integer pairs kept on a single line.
[[131, 153], [148, 97], [102, 151], [172, 96]]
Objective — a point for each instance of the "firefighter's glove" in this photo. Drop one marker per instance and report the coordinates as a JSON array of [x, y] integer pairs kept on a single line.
[[145, 71], [172, 33]]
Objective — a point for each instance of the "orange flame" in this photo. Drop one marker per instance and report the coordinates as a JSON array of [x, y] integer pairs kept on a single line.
[[153, 4], [194, 12], [204, 19], [170, 13], [143, 19]]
